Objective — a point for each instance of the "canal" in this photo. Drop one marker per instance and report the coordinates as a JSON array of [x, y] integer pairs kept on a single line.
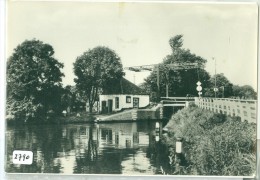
[[110, 148]]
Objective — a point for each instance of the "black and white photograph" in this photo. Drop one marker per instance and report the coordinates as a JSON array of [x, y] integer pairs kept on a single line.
[[131, 88]]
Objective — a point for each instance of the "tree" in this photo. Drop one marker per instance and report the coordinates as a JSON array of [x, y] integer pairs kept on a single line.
[[67, 98], [246, 92], [33, 80], [179, 82], [97, 70], [176, 42], [223, 85]]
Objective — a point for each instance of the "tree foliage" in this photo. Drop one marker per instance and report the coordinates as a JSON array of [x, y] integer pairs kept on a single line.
[[244, 92], [176, 42], [183, 82], [67, 98], [180, 82], [97, 70], [223, 85], [71, 100], [33, 80]]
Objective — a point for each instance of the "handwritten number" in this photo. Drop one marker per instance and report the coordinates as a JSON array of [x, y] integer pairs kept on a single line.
[[21, 157]]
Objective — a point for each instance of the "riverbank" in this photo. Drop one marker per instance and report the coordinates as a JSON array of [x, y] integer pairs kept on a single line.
[[150, 112], [212, 144], [82, 117], [121, 116], [85, 117], [126, 115]]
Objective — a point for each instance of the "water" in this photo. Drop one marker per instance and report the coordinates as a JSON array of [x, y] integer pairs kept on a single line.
[[114, 148]]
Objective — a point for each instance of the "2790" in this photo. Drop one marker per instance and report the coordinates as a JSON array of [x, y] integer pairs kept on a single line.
[[22, 157]]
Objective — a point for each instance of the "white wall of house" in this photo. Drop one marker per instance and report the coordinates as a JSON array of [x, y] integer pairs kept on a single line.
[[125, 101]]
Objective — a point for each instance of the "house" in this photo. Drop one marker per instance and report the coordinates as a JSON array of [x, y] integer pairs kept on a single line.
[[117, 102], [129, 96]]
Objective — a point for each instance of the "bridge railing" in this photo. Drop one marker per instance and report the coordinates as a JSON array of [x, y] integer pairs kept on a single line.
[[179, 98], [245, 109], [176, 101]]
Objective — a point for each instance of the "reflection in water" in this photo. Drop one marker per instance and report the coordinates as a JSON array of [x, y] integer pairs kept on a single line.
[[114, 148]]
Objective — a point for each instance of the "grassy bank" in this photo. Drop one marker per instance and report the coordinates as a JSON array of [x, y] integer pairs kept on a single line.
[[82, 117], [213, 144]]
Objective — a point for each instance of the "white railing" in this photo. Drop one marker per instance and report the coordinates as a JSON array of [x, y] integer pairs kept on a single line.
[[245, 109], [176, 101]]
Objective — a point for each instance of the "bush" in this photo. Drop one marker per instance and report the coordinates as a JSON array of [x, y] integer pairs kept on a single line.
[[213, 143]]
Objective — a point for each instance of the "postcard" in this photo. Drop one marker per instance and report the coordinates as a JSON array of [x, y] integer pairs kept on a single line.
[[131, 88]]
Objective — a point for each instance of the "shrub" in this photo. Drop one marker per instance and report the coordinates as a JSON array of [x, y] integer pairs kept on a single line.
[[213, 143]]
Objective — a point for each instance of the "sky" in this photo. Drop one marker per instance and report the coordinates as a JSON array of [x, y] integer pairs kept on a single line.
[[139, 33]]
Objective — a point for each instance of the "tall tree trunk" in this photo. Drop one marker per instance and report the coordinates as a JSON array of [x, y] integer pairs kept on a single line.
[[92, 98]]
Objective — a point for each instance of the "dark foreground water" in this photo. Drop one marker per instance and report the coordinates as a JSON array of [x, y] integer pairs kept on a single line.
[[114, 148]]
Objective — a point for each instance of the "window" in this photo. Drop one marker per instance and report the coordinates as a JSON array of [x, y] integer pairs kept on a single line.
[[117, 102], [128, 99]]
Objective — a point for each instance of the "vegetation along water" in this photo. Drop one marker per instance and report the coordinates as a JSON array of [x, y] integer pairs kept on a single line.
[[213, 144]]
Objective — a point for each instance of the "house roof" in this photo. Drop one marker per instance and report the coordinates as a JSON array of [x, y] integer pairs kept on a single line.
[[123, 86], [128, 87]]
